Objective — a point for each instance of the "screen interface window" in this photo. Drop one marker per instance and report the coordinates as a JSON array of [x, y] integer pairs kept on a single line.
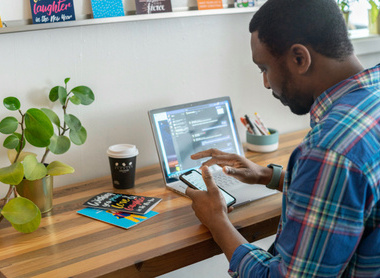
[[186, 131]]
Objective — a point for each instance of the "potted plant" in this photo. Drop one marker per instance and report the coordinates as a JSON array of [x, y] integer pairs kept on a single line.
[[344, 6], [27, 176], [373, 17]]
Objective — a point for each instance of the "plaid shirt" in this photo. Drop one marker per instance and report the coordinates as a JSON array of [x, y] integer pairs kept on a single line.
[[330, 224]]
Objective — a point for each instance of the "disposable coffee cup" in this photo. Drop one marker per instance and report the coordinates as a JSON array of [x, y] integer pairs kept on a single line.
[[122, 159]]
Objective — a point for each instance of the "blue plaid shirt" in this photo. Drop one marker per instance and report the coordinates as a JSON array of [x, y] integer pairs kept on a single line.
[[330, 224]]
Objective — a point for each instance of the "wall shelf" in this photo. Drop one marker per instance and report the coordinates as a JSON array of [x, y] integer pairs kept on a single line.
[[27, 26]]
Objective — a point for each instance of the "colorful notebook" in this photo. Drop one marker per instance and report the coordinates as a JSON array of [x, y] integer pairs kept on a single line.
[[49, 11], [117, 218], [122, 202], [107, 8]]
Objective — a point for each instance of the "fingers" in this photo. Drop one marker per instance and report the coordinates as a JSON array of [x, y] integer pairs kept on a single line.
[[206, 153], [242, 174]]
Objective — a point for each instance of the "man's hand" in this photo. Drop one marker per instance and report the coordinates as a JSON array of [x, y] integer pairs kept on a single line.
[[209, 206], [211, 209], [236, 166]]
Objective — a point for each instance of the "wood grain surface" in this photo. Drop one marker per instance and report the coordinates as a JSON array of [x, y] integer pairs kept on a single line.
[[71, 245]]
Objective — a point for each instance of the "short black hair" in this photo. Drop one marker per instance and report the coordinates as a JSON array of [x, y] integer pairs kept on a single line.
[[315, 23]]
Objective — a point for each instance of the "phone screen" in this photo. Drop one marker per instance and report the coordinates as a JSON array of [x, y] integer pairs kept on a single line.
[[194, 179]]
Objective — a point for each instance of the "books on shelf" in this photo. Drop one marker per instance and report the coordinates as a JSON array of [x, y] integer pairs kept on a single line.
[[153, 6], [117, 218], [209, 4], [122, 202], [49, 11], [107, 8]]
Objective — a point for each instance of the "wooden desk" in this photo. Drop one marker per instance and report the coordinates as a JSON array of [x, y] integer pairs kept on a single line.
[[70, 245]]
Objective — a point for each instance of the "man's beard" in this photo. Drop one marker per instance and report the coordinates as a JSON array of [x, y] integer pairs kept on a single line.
[[294, 100]]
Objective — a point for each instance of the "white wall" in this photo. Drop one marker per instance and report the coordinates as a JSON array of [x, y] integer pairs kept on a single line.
[[133, 67]]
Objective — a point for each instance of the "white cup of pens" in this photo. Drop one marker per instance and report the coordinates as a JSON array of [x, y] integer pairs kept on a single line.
[[259, 137]]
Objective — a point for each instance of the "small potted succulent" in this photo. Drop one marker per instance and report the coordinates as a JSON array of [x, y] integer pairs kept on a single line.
[[374, 17], [344, 6], [30, 181]]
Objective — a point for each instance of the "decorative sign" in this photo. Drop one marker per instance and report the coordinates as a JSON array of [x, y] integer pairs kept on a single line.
[[209, 4], [48, 11], [153, 6], [107, 8]]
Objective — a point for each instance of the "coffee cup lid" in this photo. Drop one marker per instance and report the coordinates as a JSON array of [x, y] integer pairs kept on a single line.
[[122, 151]]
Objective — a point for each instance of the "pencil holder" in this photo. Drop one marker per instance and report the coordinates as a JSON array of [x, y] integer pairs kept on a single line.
[[263, 143]]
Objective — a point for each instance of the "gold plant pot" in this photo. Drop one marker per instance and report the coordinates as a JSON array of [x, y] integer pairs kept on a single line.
[[373, 23], [39, 192]]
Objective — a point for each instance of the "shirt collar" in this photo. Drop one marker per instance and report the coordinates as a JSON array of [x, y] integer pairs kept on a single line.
[[324, 102]]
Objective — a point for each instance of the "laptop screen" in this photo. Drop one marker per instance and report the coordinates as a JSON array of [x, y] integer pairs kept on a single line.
[[182, 130]]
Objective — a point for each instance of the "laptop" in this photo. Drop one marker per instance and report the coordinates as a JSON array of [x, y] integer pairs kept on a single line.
[[182, 130]]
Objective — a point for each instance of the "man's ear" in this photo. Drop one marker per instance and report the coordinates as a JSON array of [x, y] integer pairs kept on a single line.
[[300, 58]]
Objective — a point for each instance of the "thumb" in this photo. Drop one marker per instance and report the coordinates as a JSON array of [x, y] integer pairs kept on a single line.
[[235, 172], [208, 179]]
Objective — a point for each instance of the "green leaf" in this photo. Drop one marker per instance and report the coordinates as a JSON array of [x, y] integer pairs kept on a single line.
[[12, 103], [67, 80], [57, 168], [11, 142], [62, 95], [85, 94], [52, 116], [53, 95], [75, 100], [78, 137], [39, 128], [23, 214], [12, 174], [33, 170], [8, 125], [72, 122], [59, 144], [12, 155]]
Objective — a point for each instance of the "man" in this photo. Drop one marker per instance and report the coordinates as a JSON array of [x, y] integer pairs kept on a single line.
[[330, 224]]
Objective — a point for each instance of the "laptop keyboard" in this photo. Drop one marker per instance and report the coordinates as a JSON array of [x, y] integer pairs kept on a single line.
[[225, 181]]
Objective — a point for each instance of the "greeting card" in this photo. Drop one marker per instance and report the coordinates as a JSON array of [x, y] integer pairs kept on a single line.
[[153, 6], [48, 11], [107, 8], [210, 4]]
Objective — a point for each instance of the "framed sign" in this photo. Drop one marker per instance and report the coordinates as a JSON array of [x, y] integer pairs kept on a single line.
[[49, 11]]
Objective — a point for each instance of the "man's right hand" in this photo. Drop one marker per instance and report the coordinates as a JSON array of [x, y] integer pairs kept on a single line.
[[236, 166]]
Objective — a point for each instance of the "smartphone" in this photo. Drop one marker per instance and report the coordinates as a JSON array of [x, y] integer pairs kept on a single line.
[[194, 179]]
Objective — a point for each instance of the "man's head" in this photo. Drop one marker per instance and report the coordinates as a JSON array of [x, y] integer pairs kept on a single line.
[[293, 41], [315, 23]]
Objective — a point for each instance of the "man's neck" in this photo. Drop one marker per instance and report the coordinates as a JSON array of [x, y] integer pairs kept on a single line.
[[331, 72]]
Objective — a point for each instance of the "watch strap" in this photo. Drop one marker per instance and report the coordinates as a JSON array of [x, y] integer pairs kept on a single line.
[[276, 177]]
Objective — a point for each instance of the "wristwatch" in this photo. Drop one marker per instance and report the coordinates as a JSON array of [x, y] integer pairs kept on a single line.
[[275, 181]]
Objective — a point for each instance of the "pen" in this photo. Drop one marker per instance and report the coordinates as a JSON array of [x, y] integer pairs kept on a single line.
[[260, 128], [244, 122], [262, 123], [253, 127]]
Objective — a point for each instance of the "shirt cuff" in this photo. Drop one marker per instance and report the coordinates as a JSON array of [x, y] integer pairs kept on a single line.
[[238, 256]]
